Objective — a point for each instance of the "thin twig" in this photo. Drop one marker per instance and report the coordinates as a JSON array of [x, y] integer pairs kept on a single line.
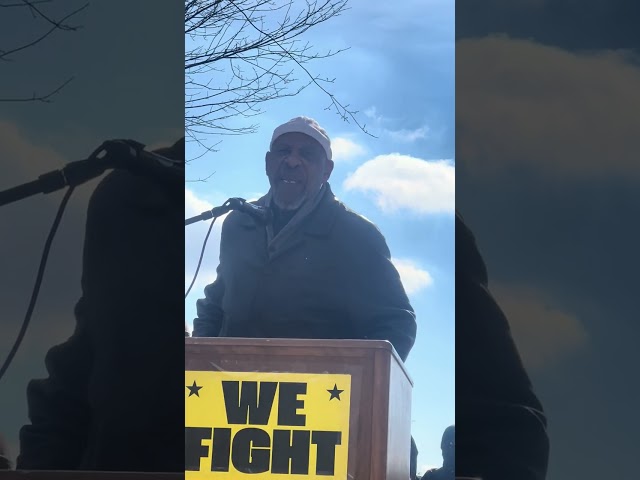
[[6, 53], [44, 98]]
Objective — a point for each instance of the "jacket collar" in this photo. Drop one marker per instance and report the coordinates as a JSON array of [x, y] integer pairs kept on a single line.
[[321, 220], [318, 223]]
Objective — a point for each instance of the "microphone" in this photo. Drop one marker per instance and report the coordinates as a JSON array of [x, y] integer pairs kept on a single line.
[[142, 162], [262, 215]]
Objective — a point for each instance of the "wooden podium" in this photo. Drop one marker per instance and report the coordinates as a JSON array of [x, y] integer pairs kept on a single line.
[[305, 387]]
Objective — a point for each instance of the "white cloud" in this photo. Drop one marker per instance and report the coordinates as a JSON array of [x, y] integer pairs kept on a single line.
[[372, 113], [408, 136], [543, 332], [205, 277], [400, 182], [413, 277], [553, 111], [24, 159], [401, 135], [344, 149], [193, 205], [25, 155], [423, 468], [253, 196]]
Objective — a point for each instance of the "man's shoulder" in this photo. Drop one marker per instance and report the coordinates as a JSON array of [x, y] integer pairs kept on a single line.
[[432, 474], [356, 226], [123, 190], [115, 192], [469, 261], [236, 218]]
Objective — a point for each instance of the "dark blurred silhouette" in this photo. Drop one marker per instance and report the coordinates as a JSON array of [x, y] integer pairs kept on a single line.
[[114, 396], [413, 460], [501, 426], [448, 446]]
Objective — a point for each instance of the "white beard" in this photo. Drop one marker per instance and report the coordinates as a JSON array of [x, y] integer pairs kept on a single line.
[[291, 205], [295, 205]]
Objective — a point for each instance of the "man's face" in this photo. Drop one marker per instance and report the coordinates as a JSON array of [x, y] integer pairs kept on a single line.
[[297, 166]]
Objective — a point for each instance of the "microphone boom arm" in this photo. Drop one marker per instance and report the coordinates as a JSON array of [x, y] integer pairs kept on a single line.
[[127, 154], [72, 175], [232, 204], [213, 213]]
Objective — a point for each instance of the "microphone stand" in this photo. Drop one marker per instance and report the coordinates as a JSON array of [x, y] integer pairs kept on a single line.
[[213, 213], [231, 204], [75, 173], [111, 154], [127, 154]]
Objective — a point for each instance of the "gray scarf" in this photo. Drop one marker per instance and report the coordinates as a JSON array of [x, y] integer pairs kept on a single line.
[[276, 241]]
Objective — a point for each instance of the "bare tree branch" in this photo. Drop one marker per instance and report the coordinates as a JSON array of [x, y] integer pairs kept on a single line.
[[38, 14], [57, 25], [242, 54], [23, 3], [201, 179], [38, 98], [342, 110]]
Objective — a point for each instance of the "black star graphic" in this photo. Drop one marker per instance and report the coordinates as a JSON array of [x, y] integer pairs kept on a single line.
[[335, 393], [193, 389]]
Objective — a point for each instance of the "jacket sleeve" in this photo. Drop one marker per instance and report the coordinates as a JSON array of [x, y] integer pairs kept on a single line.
[[58, 406], [430, 474], [378, 303], [501, 426], [209, 310]]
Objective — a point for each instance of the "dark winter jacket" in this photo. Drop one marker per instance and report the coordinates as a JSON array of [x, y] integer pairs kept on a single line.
[[114, 396], [500, 423], [332, 278]]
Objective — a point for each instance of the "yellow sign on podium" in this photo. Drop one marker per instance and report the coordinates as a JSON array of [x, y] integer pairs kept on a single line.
[[264, 425]]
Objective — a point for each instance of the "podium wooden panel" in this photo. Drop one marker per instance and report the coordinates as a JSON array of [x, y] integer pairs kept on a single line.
[[380, 407]]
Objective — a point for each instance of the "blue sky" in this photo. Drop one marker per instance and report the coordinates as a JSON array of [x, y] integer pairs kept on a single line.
[[399, 73]]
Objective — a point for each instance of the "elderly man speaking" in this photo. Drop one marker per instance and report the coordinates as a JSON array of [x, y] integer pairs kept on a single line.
[[316, 270]]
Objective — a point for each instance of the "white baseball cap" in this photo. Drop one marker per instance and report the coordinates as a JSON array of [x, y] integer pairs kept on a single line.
[[309, 127]]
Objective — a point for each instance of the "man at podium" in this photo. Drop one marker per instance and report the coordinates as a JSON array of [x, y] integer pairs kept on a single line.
[[315, 270]]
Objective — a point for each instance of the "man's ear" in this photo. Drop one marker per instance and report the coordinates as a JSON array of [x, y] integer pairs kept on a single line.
[[267, 161], [328, 169]]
